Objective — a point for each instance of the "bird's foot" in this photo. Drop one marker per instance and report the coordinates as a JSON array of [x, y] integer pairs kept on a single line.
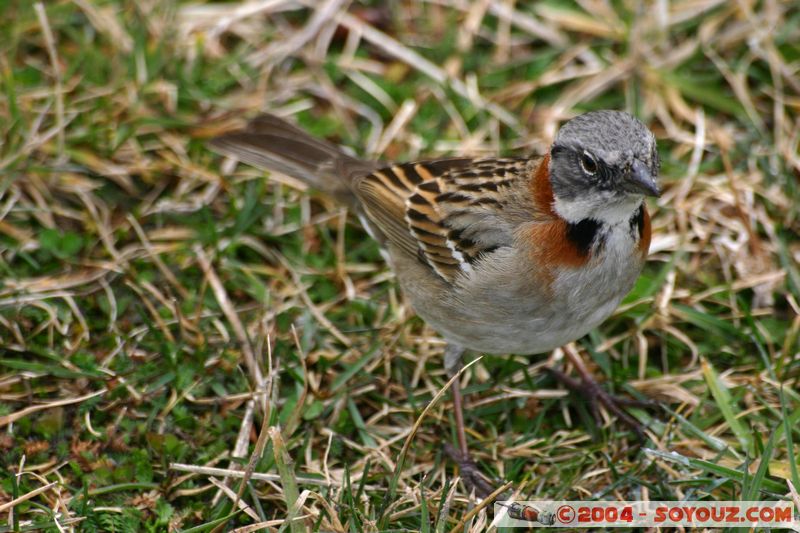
[[596, 395], [470, 472]]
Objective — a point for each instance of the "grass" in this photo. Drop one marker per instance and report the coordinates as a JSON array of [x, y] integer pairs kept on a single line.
[[185, 345]]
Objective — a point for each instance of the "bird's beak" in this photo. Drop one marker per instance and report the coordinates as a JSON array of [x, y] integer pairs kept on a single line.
[[642, 181]]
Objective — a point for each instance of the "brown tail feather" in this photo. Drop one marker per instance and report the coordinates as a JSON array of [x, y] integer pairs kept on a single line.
[[272, 143]]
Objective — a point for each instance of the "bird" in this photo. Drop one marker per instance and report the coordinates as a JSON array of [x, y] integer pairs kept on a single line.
[[499, 255]]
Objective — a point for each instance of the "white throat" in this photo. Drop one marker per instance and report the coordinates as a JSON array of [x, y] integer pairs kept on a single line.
[[609, 211]]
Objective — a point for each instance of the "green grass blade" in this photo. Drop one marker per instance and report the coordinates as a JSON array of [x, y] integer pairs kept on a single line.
[[353, 369], [208, 526], [726, 406], [713, 442], [355, 416], [752, 489], [715, 469], [285, 465], [787, 427]]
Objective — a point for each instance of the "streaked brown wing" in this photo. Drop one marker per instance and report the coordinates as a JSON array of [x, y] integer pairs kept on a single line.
[[446, 212]]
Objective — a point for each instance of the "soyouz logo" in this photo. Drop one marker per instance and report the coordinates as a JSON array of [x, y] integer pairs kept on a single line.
[[644, 513]]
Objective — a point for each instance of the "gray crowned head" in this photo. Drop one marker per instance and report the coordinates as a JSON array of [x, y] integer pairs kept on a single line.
[[602, 165]]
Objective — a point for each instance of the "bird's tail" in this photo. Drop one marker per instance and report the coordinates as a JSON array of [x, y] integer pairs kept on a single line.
[[271, 143]]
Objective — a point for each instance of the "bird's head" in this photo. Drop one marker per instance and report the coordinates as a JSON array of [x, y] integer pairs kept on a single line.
[[602, 165]]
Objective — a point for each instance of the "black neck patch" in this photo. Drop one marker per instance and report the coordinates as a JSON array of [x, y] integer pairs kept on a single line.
[[583, 234], [637, 222]]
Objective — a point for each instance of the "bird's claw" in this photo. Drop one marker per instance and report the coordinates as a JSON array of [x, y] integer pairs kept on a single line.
[[470, 473], [597, 395]]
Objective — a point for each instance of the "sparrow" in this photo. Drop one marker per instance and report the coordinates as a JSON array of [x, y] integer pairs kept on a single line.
[[499, 255]]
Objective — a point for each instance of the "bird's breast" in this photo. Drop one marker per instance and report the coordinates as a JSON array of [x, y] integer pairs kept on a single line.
[[549, 289]]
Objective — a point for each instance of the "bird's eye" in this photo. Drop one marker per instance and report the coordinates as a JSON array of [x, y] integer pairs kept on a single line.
[[588, 164]]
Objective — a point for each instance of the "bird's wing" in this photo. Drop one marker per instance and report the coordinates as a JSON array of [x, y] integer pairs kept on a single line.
[[447, 212]]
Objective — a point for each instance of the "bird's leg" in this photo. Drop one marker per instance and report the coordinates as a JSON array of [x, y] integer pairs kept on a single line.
[[470, 473], [594, 392], [452, 364]]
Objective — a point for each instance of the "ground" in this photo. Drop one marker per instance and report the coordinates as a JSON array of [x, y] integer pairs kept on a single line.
[[164, 311]]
